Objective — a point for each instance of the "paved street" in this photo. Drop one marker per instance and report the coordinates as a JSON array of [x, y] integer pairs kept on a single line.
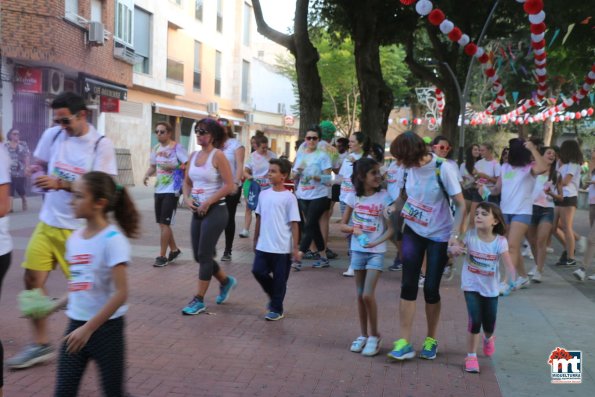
[[232, 351]]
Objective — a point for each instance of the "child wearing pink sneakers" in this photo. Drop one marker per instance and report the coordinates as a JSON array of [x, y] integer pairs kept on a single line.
[[484, 247]]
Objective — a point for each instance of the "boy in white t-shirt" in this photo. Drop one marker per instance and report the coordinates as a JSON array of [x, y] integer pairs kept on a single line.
[[276, 237]]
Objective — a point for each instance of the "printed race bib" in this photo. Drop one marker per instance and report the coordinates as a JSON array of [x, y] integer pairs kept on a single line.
[[81, 273], [417, 212], [197, 195], [67, 172]]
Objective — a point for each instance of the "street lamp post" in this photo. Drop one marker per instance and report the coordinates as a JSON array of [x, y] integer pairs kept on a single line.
[[464, 95]]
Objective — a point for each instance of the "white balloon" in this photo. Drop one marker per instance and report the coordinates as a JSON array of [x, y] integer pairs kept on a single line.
[[423, 7], [537, 18], [540, 62], [579, 96], [480, 51], [568, 102], [464, 40], [586, 86], [571, 115], [541, 71], [537, 37], [591, 75], [553, 118], [520, 1], [446, 26], [539, 51], [584, 113]]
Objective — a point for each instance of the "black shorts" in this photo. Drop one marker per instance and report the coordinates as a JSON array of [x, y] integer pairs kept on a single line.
[[165, 208], [17, 186], [335, 192], [568, 202]]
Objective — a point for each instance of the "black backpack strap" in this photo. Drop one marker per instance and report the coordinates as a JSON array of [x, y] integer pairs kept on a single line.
[[439, 162]]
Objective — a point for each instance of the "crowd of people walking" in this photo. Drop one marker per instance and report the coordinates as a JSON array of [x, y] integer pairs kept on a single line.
[[431, 208]]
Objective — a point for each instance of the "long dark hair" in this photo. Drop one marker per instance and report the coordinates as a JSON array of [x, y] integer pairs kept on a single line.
[[358, 177], [492, 208], [469, 159], [409, 148], [443, 138], [103, 186], [553, 174], [570, 152], [215, 129], [363, 140], [518, 155]]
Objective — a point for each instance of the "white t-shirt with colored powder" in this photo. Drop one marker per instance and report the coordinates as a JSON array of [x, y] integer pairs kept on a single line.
[[571, 190], [91, 262], [69, 158], [394, 180], [312, 164], [168, 180], [540, 198], [427, 211], [491, 168], [481, 264], [277, 210], [259, 165], [368, 216], [230, 147], [346, 171], [5, 239], [517, 190]]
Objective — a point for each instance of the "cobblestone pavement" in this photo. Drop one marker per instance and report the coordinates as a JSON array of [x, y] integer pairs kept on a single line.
[[232, 351]]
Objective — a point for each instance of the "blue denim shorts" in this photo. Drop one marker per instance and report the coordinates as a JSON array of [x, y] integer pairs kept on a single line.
[[367, 261], [521, 218], [542, 214]]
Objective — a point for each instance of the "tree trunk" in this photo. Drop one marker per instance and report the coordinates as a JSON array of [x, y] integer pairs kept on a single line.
[[450, 118], [306, 60], [376, 96]]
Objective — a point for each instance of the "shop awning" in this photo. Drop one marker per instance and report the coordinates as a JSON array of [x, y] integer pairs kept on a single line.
[[92, 86], [231, 118], [178, 111]]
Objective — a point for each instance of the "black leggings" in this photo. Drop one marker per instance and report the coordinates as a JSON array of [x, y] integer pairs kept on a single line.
[[413, 249], [482, 312], [106, 347], [231, 202], [313, 210], [205, 233], [4, 264]]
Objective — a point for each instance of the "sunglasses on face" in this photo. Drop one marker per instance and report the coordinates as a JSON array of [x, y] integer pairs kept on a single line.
[[160, 132], [442, 147], [200, 131], [311, 138], [64, 120]]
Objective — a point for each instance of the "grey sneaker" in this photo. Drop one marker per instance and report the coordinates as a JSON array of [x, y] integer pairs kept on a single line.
[[226, 257], [160, 261], [31, 355]]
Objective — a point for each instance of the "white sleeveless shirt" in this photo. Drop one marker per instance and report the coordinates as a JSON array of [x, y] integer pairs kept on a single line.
[[206, 179]]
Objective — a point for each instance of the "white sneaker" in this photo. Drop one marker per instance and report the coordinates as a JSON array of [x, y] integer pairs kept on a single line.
[[245, 233], [505, 289], [422, 281], [581, 244], [521, 282], [591, 277], [358, 345], [528, 253], [349, 272], [579, 274], [537, 275], [532, 271], [448, 273], [549, 250], [372, 346]]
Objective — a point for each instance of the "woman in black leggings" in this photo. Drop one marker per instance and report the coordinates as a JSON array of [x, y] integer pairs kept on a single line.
[[313, 168], [5, 240]]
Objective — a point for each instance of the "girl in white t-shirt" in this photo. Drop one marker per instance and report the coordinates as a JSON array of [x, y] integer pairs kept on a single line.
[[364, 220], [5, 239], [581, 272], [571, 159], [515, 184], [484, 247], [98, 255]]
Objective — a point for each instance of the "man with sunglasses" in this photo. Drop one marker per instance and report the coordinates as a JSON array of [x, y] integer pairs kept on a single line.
[[168, 159], [63, 154]]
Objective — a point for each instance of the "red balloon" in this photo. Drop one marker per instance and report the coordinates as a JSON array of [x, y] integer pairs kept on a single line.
[[436, 17], [538, 28], [408, 2], [590, 111], [490, 72], [538, 44], [471, 49], [483, 58], [540, 57], [577, 115], [533, 6], [557, 119], [404, 122], [455, 34]]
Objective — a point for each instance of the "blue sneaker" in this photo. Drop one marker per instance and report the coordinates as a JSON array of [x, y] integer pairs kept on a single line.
[[225, 290], [402, 350], [322, 263], [429, 349], [272, 316], [194, 307]]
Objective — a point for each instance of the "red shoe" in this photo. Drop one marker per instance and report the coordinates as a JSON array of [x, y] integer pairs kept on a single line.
[[489, 345], [471, 365]]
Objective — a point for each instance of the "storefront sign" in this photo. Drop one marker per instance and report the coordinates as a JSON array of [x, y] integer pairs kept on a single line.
[[96, 87], [28, 80], [109, 105]]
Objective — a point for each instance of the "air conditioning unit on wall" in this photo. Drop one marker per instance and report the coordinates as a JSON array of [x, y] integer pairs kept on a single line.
[[212, 107], [96, 33], [53, 81]]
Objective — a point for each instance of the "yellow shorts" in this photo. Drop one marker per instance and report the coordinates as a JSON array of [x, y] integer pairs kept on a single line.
[[47, 248]]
